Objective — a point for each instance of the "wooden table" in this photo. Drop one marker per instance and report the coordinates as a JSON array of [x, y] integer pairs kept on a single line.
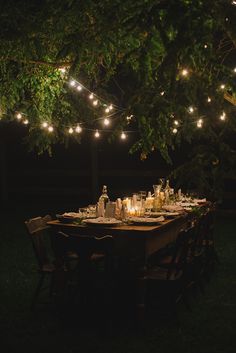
[[136, 241], [133, 243]]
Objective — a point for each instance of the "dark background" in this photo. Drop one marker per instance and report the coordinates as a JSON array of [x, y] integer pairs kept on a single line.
[[73, 176]]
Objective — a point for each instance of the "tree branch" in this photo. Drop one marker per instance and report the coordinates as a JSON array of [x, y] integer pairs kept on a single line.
[[39, 62]]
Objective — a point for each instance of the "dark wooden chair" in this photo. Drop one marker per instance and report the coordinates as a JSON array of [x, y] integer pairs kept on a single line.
[[37, 229], [169, 280]]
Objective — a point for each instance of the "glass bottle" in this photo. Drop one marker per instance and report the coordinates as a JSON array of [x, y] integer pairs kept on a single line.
[[104, 197], [167, 192]]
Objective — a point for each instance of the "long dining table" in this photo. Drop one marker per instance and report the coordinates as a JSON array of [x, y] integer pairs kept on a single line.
[[132, 243]]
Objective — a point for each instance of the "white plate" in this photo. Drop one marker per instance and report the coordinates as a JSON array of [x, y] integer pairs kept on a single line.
[[146, 220], [102, 221], [163, 213]]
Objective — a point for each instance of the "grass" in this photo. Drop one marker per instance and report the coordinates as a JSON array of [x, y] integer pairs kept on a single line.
[[210, 327]]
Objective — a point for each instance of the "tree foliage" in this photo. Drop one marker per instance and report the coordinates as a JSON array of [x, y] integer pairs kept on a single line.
[[129, 52]]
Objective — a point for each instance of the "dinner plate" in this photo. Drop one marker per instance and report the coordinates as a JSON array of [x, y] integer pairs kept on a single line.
[[102, 221], [162, 213], [146, 220]]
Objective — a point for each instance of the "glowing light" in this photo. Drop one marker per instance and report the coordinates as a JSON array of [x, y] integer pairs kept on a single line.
[[110, 106], [233, 2], [97, 134], [70, 130], [222, 86], [199, 123], [106, 121], [50, 129], [174, 131], [184, 72], [191, 110], [176, 122], [235, 69], [129, 117], [79, 88], [123, 136], [226, 19], [162, 93], [44, 124], [209, 99], [95, 102], [223, 116], [19, 116], [91, 96], [78, 129], [62, 70], [72, 83], [107, 110], [205, 46], [26, 122]]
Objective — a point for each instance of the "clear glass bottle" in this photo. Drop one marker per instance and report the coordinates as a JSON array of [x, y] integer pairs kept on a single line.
[[104, 197], [167, 191]]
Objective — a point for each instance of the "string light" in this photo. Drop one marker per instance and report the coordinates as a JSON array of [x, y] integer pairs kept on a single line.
[[62, 70], [91, 96], [107, 110], [162, 93], [184, 72], [18, 116], [175, 131], [110, 106], [209, 100], [222, 86], [176, 122], [223, 116], [106, 121], [123, 136], [190, 110], [235, 69], [205, 46], [199, 123], [70, 130], [26, 122], [72, 83], [233, 2], [78, 129], [97, 134], [50, 129], [44, 124], [129, 117], [95, 103], [79, 88]]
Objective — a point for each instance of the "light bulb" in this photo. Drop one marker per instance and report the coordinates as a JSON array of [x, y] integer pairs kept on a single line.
[[129, 117], [174, 131], [222, 86], [233, 2], [223, 116], [72, 83], [70, 130], [26, 122], [79, 88], [209, 99], [50, 129], [205, 46], [95, 102], [62, 69], [184, 72], [106, 121], [191, 110], [199, 123], [91, 96], [110, 106], [97, 134], [44, 124], [123, 136], [78, 129], [19, 116], [107, 110], [176, 122], [162, 93], [235, 69]]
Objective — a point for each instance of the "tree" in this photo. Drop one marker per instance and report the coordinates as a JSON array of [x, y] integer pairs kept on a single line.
[[169, 64]]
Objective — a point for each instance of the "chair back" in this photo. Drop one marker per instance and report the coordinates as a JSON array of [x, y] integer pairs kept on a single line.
[[36, 229]]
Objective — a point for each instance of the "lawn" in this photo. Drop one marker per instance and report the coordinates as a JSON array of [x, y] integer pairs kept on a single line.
[[210, 327]]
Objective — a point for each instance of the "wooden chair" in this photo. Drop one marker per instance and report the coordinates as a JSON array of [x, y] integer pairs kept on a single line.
[[168, 282], [37, 229]]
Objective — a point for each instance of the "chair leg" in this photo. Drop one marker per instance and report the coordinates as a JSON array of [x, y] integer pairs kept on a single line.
[[37, 291]]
